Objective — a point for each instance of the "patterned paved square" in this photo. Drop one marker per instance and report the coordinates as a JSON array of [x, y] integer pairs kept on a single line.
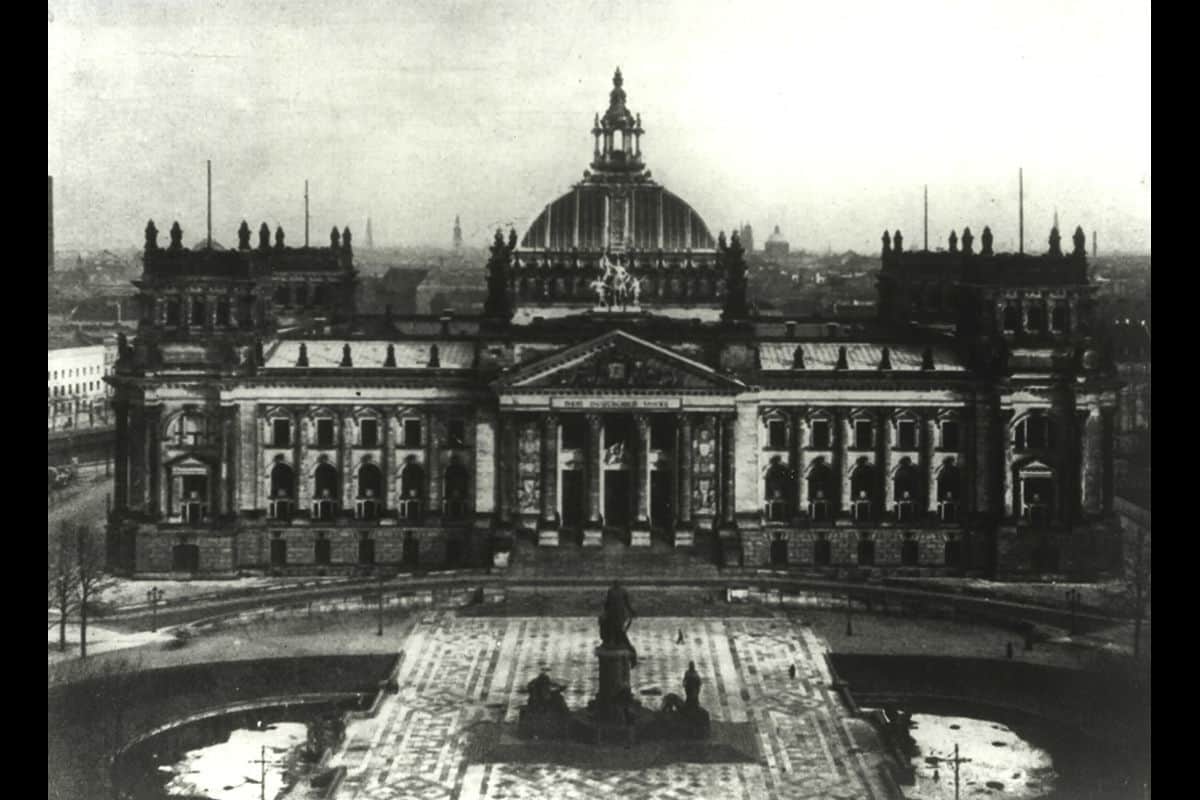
[[459, 672]]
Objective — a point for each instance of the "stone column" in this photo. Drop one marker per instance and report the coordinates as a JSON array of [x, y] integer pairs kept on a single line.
[[728, 428], [228, 449], [1107, 434], [433, 469], [639, 532], [304, 483], [1090, 472], [387, 461], [508, 467], [548, 523], [683, 494], [154, 459], [929, 459], [1007, 464], [121, 457], [138, 460], [346, 466], [842, 437], [485, 467], [593, 531], [800, 460], [884, 443], [247, 457]]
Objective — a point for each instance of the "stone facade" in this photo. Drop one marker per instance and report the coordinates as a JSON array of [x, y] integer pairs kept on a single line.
[[416, 442]]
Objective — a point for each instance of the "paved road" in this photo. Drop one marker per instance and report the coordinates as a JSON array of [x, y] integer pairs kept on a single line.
[[82, 503]]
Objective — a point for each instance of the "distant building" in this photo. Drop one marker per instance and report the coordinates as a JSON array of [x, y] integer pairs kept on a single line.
[[370, 236], [457, 233], [777, 246], [76, 392], [747, 237]]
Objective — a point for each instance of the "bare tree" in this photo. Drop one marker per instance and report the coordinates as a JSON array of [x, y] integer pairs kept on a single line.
[[62, 584], [1137, 584], [90, 577]]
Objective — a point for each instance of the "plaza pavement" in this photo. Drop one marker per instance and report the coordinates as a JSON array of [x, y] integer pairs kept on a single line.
[[457, 673]]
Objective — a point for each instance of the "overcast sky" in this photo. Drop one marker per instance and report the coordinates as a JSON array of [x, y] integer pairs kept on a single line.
[[825, 118]]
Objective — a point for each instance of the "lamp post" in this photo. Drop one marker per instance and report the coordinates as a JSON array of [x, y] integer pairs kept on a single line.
[[379, 630], [1073, 600], [849, 616], [155, 595]]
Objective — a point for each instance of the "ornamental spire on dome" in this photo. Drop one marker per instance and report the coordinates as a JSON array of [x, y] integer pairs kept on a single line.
[[617, 134]]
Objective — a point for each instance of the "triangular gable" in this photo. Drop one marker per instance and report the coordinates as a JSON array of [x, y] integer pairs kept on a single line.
[[187, 464], [618, 360]]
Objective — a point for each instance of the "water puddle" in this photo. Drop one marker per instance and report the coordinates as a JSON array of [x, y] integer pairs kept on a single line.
[[230, 770], [996, 762]]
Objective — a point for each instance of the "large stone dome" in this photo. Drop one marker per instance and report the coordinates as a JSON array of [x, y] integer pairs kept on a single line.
[[617, 206]]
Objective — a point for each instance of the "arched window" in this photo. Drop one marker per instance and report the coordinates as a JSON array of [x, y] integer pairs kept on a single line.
[[1012, 318], [368, 502], [457, 481], [820, 492], [778, 506], [1034, 432], [862, 491], [412, 491], [1060, 318], [949, 490], [1036, 316], [191, 430], [906, 491], [283, 492], [325, 491]]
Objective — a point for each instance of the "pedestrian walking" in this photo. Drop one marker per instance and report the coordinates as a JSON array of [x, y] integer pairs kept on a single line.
[[679, 638], [1008, 650], [792, 672]]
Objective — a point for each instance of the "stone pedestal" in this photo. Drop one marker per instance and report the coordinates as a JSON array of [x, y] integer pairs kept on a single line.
[[614, 673], [639, 537], [593, 537], [685, 536], [548, 537]]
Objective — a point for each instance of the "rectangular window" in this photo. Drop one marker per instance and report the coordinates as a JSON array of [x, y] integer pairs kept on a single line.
[[281, 433], [777, 434], [172, 312], [949, 435], [198, 312], [369, 433], [324, 433], [906, 432], [456, 433], [222, 312], [862, 434], [412, 433], [820, 434], [662, 433]]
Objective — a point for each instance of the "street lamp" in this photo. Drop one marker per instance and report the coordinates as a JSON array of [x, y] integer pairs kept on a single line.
[[849, 616], [1073, 600], [155, 595]]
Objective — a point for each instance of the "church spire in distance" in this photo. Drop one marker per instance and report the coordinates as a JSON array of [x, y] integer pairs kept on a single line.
[[457, 233]]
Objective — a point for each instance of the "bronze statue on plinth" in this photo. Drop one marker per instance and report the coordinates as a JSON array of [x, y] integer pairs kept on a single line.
[[615, 621]]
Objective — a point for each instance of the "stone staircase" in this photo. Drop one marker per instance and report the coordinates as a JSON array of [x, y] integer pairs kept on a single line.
[[613, 559]]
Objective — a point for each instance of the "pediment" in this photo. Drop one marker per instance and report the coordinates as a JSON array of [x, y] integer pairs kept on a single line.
[[618, 361]]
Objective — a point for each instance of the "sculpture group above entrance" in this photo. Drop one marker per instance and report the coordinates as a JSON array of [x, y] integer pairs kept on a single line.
[[616, 287]]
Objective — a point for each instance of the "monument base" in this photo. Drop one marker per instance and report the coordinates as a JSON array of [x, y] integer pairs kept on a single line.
[[639, 536], [685, 537], [548, 537], [593, 537]]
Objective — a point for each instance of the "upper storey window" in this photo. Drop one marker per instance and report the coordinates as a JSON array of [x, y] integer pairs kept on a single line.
[[325, 433], [950, 435], [281, 433], [368, 433], [906, 434], [864, 434], [412, 433], [820, 434], [777, 434], [1035, 433], [191, 430]]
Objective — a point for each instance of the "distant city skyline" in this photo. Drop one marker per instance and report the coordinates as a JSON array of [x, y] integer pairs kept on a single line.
[[825, 120]]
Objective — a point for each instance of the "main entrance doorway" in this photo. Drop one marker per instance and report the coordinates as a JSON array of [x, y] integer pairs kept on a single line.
[[574, 498], [662, 510], [618, 497]]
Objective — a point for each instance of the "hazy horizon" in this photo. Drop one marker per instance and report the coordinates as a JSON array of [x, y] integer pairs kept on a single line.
[[826, 120]]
